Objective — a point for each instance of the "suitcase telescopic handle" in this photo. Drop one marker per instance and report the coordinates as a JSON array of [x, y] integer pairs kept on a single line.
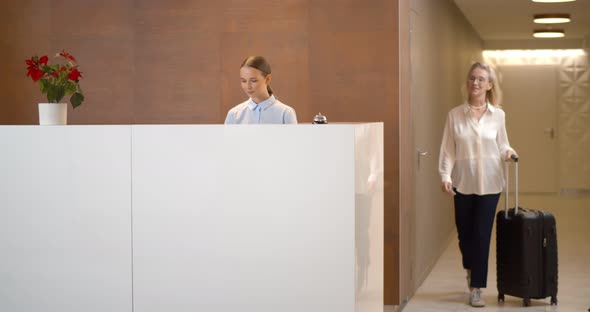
[[507, 171]]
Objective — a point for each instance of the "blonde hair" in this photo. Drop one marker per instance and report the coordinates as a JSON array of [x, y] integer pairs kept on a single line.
[[493, 95]]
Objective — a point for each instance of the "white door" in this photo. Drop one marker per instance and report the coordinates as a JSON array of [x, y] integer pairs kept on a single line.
[[530, 102]]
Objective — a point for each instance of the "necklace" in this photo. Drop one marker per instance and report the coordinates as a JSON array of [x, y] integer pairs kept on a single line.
[[476, 108]]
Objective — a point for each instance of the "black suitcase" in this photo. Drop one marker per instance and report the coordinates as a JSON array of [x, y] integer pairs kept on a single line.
[[526, 251]]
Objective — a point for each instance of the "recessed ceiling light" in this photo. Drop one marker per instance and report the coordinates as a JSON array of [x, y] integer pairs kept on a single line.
[[553, 1], [552, 18], [548, 33]]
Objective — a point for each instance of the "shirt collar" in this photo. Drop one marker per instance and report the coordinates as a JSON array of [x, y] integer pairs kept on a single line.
[[263, 105], [491, 108]]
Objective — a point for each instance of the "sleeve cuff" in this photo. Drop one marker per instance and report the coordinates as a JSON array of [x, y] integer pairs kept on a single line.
[[445, 178]]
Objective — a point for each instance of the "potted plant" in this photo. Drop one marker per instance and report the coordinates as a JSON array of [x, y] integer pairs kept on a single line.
[[56, 81]]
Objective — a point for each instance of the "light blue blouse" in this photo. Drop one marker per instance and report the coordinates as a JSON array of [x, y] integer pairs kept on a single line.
[[269, 111]]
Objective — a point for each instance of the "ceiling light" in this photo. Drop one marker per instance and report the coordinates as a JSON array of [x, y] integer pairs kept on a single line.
[[548, 33], [553, 1], [553, 18]]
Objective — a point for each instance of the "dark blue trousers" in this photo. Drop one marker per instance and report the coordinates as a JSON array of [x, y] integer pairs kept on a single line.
[[474, 218]]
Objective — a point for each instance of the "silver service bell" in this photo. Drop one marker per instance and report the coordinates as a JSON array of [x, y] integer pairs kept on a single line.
[[320, 119]]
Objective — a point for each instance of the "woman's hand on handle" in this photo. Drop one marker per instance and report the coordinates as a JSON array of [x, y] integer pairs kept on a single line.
[[447, 187], [510, 154]]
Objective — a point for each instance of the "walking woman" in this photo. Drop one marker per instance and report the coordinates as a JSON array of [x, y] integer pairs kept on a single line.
[[474, 144]]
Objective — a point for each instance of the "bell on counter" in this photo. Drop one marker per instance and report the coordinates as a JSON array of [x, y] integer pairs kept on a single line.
[[320, 119]]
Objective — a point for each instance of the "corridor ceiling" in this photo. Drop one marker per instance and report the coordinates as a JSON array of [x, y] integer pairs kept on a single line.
[[509, 23]]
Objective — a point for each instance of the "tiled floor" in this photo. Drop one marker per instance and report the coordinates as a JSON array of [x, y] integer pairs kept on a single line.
[[445, 288]]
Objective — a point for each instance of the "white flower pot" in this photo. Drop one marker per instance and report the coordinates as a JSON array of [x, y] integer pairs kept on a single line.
[[53, 113]]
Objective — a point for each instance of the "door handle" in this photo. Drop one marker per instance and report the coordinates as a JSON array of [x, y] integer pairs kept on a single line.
[[420, 154], [550, 132]]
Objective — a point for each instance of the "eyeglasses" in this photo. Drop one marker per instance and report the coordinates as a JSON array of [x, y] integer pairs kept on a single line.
[[478, 79]]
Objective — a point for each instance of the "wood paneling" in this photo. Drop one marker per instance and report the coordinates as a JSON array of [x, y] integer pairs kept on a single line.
[[177, 86], [177, 61], [265, 16], [107, 68], [24, 30], [353, 57], [350, 66]]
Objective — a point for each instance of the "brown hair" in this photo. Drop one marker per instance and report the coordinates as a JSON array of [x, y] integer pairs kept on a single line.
[[261, 64], [493, 95]]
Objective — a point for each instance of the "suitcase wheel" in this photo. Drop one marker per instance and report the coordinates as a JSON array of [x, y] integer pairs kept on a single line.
[[554, 301], [526, 302], [500, 297]]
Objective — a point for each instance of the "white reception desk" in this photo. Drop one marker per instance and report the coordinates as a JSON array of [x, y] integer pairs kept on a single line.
[[212, 218]]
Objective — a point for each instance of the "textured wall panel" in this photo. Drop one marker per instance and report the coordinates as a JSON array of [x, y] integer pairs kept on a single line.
[[573, 132]]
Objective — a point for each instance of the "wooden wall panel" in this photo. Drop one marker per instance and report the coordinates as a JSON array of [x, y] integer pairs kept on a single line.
[[25, 29], [91, 19], [107, 69], [177, 61], [264, 16], [349, 71], [100, 35], [353, 16], [179, 78], [354, 77]]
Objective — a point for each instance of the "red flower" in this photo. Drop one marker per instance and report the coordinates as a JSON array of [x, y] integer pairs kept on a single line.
[[35, 61], [74, 74], [33, 69], [35, 73], [31, 62], [67, 55], [43, 60]]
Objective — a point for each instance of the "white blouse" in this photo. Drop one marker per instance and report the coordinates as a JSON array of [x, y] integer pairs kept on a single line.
[[472, 151]]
